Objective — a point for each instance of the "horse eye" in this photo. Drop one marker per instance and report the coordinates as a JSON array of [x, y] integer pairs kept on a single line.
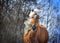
[[32, 17]]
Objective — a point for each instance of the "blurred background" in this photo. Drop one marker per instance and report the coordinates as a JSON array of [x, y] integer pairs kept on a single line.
[[13, 13]]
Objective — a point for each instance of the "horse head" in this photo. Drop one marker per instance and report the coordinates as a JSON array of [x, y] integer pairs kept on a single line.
[[40, 35]]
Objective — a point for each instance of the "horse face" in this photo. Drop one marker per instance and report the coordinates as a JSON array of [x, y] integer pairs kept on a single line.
[[33, 21]]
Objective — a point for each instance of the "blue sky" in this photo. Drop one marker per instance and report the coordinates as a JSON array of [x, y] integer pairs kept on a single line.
[[53, 2]]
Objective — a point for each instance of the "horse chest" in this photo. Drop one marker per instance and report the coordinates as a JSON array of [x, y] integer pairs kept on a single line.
[[41, 34]]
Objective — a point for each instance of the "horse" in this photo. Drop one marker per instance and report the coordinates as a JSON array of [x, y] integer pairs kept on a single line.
[[39, 35]]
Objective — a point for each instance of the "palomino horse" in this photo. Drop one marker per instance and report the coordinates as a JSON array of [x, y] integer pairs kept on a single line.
[[40, 35]]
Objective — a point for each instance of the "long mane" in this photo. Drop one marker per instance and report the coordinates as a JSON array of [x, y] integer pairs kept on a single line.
[[27, 25]]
